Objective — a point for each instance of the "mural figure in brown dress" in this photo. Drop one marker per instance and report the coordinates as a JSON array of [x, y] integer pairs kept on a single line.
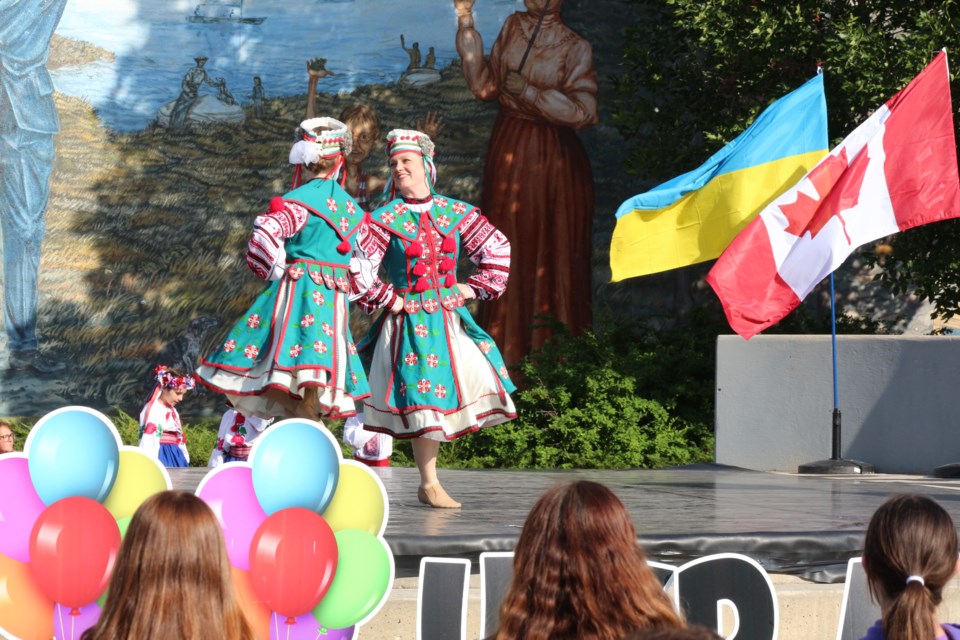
[[537, 182]]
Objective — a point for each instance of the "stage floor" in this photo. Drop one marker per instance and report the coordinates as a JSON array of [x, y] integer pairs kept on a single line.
[[803, 525]]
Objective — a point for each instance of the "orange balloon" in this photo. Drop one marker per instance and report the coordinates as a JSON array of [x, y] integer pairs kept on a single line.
[[258, 614], [25, 612]]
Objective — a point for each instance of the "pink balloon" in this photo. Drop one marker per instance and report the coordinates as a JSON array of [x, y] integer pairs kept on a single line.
[[70, 627], [305, 627], [228, 490], [20, 506]]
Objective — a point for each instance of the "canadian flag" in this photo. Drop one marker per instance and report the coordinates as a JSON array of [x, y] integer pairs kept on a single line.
[[897, 170]]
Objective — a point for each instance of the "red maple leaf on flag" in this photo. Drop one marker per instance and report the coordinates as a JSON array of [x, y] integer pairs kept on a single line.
[[838, 185]]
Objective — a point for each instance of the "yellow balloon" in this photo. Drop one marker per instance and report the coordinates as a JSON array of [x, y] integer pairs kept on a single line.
[[138, 477], [359, 502]]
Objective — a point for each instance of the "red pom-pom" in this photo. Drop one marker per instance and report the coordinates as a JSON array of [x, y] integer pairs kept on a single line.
[[449, 281], [277, 204], [449, 245], [414, 250], [420, 269], [422, 285], [344, 247], [447, 265]]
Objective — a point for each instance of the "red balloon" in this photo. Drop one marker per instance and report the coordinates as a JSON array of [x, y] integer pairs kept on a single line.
[[73, 547], [293, 557]]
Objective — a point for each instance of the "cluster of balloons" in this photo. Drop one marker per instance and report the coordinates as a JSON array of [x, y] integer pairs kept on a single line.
[[64, 504], [304, 534]]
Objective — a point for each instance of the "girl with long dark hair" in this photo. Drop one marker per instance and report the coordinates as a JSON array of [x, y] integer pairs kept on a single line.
[[578, 572]]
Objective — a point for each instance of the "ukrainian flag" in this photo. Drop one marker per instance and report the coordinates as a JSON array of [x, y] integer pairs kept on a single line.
[[693, 217]]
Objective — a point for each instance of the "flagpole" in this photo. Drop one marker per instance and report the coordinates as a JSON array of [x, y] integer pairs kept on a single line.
[[835, 464], [835, 450]]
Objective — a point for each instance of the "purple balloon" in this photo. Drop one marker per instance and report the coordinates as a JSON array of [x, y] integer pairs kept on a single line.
[[20, 506], [228, 490], [337, 634], [305, 627], [69, 627]]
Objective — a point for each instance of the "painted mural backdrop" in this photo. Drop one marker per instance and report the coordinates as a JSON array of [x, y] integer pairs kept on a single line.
[[175, 121]]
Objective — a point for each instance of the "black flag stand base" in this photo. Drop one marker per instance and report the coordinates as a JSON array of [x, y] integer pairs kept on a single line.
[[836, 464]]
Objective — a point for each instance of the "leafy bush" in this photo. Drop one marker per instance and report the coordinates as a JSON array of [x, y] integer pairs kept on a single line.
[[632, 396], [128, 427]]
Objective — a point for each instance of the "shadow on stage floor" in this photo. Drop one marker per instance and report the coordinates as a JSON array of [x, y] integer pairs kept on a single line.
[[802, 525]]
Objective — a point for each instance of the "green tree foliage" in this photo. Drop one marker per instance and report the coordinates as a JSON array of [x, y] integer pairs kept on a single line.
[[695, 73]]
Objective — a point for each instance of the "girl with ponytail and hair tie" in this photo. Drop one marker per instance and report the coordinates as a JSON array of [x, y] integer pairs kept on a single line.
[[909, 555]]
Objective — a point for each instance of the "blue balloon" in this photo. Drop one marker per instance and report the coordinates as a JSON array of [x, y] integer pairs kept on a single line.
[[295, 464], [73, 452]]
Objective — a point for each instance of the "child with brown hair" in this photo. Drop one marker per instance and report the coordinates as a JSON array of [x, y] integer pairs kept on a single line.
[[161, 434], [579, 574], [909, 555]]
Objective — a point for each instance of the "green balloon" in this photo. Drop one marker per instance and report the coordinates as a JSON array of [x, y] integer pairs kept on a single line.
[[362, 581], [122, 524]]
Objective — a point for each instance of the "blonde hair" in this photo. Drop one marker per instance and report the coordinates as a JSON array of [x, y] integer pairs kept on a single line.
[[172, 577]]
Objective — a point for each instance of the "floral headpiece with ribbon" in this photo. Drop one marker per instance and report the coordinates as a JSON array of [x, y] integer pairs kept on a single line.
[[311, 145], [403, 140], [169, 379]]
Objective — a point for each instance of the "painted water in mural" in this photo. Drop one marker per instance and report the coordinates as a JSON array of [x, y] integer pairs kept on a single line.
[[168, 149], [155, 41]]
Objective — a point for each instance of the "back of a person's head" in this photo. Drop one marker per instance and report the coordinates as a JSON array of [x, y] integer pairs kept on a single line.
[[691, 632], [909, 555], [172, 576], [578, 571]]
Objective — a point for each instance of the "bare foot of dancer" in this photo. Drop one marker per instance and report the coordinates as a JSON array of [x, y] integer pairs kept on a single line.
[[436, 497]]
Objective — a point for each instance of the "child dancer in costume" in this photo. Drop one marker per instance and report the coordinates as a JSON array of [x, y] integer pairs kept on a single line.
[[370, 448], [236, 436], [435, 375], [909, 555], [161, 434], [292, 354]]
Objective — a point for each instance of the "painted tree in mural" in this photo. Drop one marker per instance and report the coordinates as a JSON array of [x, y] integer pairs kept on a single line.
[[695, 73]]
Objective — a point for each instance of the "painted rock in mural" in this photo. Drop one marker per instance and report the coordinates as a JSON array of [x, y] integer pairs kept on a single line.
[[420, 77], [206, 110]]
